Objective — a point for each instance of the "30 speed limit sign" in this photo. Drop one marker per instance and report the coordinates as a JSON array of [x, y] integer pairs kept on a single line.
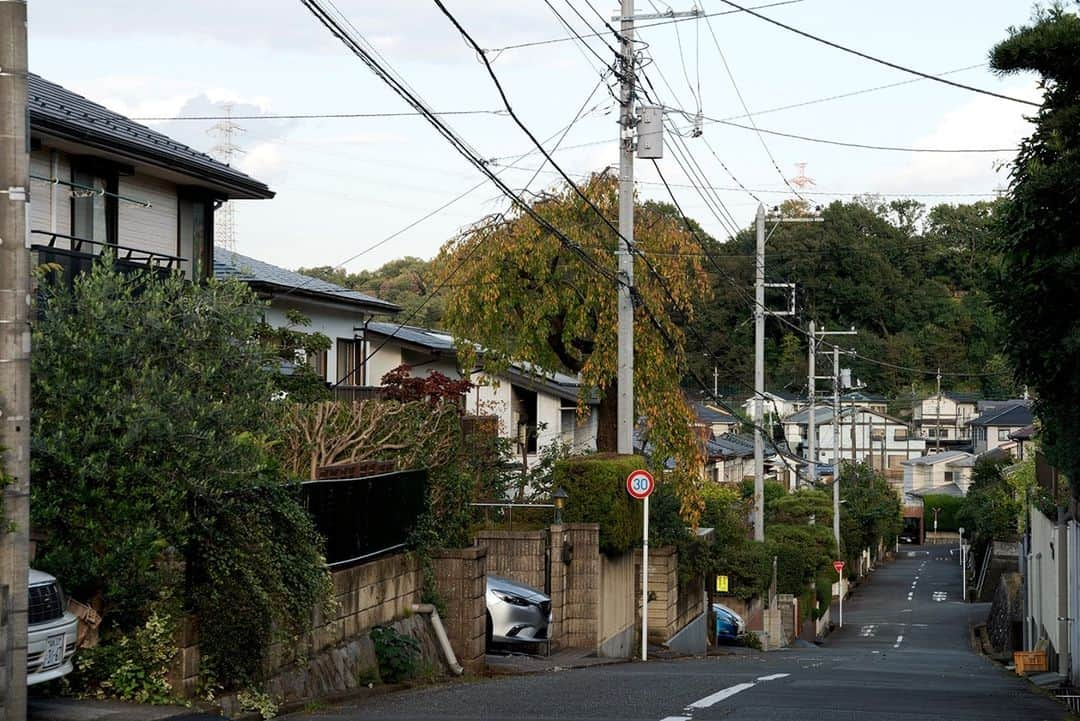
[[640, 484]]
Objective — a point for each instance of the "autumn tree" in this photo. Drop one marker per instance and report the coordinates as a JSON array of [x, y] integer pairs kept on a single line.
[[521, 294]]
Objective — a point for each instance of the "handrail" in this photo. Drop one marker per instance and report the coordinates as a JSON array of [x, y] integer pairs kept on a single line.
[[123, 252]]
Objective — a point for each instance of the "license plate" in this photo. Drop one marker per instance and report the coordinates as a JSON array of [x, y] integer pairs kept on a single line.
[[54, 651]]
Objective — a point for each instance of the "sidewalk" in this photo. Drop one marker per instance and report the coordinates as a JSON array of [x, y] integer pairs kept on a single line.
[[517, 663], [70, 709]]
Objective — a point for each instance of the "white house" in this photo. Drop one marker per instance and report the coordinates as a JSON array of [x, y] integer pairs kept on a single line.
[[716, 421], [729, 458], [337, 312], [99, 181], [534, 408], [866, 436], [946, 473], [943, 418], [775, 404], [992, 429]]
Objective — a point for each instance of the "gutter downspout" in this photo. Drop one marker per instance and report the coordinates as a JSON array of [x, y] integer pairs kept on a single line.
[[440, 633]]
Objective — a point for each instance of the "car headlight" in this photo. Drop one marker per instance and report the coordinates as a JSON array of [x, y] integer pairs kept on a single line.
[[512, 599]]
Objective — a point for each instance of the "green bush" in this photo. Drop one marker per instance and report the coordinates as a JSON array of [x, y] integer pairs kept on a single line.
[[397, 653], [947, 519], [596, 485]]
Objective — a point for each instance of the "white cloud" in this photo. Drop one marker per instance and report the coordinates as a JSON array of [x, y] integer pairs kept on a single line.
[[261, 160], [982, 122]]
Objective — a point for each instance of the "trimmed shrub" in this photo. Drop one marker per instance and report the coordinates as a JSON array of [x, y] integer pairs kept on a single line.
[[950, 506], [596, 485]]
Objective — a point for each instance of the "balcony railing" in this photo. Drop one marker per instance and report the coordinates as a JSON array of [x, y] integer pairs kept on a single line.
[[77, 255]]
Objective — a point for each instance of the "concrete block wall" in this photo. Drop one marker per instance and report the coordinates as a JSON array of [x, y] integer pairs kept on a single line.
[[460, 580], [581, 602], [368, 595]]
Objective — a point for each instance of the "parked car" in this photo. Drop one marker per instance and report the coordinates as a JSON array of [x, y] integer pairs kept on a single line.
[[729, 625], [516, 613], [51, 630]]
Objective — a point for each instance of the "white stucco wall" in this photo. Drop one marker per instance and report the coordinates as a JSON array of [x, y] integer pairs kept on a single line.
[[331, 323]]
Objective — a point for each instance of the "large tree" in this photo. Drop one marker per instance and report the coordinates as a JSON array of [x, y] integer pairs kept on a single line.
[[1037, 296], [521, 294]]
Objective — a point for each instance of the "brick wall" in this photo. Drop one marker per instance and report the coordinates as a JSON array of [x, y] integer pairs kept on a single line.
[[460, 580], [367, 595], [581, 603]]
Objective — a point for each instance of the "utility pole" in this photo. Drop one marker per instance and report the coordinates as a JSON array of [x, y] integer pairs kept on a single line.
[[812, 379], [937, 433], [625, 375], [759, 375], [836, 449], [14, 353]]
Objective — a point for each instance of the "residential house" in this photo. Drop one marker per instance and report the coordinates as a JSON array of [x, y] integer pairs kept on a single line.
[[992, 429], [947, 473], [869, 401], [102, 181], [534, 408], [335, 311], [865, 435], [712, 421], [943, 418], [775, 405], [1023, 439], [729, 458]]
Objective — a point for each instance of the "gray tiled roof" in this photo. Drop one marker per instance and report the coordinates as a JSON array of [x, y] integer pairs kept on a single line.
[[431, 339], [1016, 415], [230, 264], [707, 414], [55, 110]]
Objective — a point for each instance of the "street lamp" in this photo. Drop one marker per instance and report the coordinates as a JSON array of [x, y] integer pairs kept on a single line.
[[559, 499]]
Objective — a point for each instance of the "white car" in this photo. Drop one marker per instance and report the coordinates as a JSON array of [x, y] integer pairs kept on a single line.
[[51, 630]]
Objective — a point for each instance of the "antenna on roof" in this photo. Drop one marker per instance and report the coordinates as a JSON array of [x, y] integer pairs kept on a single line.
[[224, 151]]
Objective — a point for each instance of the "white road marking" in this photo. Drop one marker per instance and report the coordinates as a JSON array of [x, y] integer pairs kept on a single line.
[[676, 718], [899, 640], [773, 677], [940, 596], [720, 695]]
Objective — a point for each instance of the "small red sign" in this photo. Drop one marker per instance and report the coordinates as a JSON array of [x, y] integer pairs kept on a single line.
[[838, 565], [640, 484]]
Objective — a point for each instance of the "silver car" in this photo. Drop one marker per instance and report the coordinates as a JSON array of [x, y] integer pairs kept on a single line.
[[516, 613], [51, 630]]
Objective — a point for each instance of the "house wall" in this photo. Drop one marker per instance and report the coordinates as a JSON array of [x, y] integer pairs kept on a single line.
[[50, 205], [331, 323], [952, 418], [886, 454], [153, 228], [987, 438], [1042, 583]]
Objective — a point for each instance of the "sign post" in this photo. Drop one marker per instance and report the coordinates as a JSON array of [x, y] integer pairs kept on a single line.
[[839, 566], [640, 485]]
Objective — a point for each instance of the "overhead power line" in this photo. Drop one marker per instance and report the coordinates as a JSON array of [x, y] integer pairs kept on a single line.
[[880, 61], [315, 116]]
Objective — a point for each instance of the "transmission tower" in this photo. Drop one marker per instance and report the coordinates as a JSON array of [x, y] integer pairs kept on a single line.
[[225, 150], [802, 181]]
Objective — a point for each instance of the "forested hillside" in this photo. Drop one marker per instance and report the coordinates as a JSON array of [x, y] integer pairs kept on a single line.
[[912, 280]]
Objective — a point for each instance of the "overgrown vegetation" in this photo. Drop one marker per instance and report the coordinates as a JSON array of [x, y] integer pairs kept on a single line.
[[154, 418], [1036, 286], [871, 514], [948, 513], [397, 653], [596, 485]]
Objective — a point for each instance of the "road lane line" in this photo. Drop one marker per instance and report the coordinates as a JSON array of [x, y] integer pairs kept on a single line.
[[773, 677], [720, 695], [676, 718]]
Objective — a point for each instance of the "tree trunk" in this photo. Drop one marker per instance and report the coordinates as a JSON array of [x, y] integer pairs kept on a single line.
[[607, 419]]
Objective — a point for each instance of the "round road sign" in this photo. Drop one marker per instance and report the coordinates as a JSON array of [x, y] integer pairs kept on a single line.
[[838, 565], [640, 484]]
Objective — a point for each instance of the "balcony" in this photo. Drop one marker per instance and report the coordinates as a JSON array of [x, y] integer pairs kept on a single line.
[[77, 255]]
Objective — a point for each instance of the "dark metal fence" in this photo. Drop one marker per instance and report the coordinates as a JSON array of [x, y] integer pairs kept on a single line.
[[362, 518], [348, 394]]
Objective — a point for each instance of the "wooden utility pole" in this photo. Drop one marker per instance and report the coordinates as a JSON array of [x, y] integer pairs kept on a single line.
[[14, 354]]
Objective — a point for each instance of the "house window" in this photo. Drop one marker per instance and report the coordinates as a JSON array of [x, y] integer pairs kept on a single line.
[[1003, 434], [950, 476], [900, 434], [195, 233], [877, 434], [317, 360], [93, 213], [348, 362], [931, 433]]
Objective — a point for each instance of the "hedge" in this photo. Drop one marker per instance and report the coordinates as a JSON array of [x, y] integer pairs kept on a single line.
[[949, 505], [596, 486]]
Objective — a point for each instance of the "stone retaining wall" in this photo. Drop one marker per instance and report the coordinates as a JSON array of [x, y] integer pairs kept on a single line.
[[460, 578]]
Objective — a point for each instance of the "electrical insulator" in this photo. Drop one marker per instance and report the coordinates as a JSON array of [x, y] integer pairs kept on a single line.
[[845, 378], [651, 133]]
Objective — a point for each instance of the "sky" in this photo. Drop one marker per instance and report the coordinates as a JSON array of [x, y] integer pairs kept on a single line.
[[345, 185]]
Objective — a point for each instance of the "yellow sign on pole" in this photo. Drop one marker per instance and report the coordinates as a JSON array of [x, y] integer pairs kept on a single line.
[[721, 584]]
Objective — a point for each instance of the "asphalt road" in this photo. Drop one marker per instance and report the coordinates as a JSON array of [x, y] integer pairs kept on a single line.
[[902, 655]]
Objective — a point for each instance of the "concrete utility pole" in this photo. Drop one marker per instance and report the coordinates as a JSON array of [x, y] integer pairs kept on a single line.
[[14, 352], [836, 450], [812, 379], [759, 375], [625, 375], [937, 433]]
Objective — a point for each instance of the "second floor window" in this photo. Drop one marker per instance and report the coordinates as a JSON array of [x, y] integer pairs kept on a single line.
[[195, 234], [94, 214]]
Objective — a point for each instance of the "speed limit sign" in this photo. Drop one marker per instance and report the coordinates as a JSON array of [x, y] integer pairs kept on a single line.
[[640, 484]]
